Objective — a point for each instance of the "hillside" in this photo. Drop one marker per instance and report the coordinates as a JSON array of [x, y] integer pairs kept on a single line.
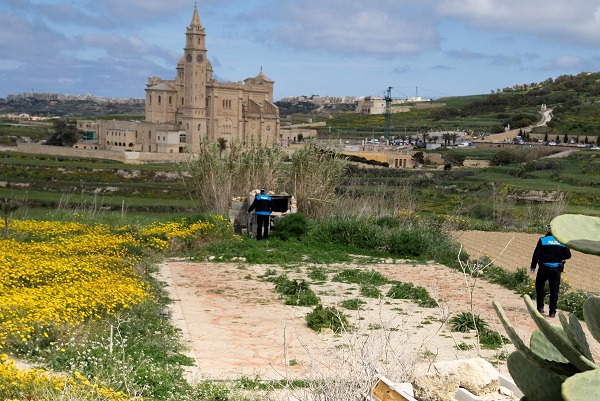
[[68, 108], [575, 101]]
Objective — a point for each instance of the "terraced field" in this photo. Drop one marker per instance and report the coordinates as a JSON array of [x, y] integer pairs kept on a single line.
[[514, 250]]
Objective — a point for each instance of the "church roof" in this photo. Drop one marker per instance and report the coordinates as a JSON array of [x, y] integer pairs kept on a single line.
[[259, 78], [161, 86], [263, 77], [195, 18]]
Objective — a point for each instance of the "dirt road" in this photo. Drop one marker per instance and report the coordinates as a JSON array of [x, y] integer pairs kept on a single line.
[[235, 325]]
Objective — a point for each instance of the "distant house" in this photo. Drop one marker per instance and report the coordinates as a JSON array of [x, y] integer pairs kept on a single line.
[[376, 105]]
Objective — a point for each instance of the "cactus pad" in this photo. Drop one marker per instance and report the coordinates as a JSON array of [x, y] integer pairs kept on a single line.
[[591, 313], [578, 232], [575, 333], [544, 348], [582, 387], [565, 369], [536, 384], [558, 338]]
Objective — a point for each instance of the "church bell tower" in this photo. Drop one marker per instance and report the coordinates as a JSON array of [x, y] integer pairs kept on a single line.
[[194, 118]]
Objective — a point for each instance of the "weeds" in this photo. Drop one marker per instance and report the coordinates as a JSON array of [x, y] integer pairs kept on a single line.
[[466, 321], [327, 318], [370, 291], [414, 293], [357, 276], [294, 292], [352, 304]]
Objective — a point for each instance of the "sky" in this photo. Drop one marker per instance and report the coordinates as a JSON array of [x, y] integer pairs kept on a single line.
[[426, 48]]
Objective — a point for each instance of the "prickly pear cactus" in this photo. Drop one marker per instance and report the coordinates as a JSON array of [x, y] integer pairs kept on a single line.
[[560, 356], [578, 232]]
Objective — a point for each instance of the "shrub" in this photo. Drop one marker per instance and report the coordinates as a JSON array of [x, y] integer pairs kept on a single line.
[[502, 157], [518, 281], [406, 244], [328, 318], [571, 301], [292, 226]]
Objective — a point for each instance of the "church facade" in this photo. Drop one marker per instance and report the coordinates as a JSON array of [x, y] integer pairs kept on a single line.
[[183, 112]]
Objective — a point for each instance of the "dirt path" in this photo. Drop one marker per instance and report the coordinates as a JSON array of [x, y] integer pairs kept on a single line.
[[235, 325]]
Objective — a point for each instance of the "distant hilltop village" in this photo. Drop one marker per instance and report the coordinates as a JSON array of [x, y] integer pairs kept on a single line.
[[63, 97], [361, 104]]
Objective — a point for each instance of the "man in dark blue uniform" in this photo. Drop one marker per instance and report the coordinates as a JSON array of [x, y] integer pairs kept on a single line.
[[550, 256], [263, 206]]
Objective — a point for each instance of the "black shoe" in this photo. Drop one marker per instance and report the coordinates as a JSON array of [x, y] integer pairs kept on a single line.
[[541, 310], [552, 314]]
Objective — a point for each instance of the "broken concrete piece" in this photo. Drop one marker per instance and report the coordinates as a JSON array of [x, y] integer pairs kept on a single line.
[[435, 387], [476, 375]]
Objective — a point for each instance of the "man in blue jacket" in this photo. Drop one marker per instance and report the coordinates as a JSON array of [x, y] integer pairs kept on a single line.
[[550, 255], [263, 206]]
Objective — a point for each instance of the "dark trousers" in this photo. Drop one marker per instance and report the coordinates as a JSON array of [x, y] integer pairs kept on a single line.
[[263, 226], [552, 275]]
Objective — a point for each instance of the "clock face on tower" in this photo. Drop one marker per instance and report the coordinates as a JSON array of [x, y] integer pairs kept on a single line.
[[188, 58], [199, 58]]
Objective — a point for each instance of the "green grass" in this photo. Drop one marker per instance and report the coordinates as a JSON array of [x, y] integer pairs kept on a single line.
[[352, 304], [411, 292], [273, 251], [42, 160], [357, 276]]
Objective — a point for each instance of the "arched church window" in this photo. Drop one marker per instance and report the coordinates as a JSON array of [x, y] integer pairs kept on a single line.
[[170, 100], [159, 99]]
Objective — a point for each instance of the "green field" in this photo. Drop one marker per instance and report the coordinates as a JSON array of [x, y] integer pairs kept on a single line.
[[50, 182]]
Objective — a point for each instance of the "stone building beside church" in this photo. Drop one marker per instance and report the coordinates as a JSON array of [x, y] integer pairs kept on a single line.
[[183, 111]]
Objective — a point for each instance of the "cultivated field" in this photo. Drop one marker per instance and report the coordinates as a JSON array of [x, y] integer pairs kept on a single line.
[[514, 250]]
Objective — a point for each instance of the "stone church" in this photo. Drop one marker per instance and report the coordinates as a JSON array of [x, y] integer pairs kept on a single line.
[[182, 112]]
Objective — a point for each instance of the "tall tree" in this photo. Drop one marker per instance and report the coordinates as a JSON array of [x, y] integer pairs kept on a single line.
[[65, 133]]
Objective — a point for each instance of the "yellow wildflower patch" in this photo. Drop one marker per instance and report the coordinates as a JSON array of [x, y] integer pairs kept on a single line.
[[21, 384]]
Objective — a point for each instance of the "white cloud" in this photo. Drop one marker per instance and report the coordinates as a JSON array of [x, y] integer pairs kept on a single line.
[[385, 28], [567, 62], [574, 21]]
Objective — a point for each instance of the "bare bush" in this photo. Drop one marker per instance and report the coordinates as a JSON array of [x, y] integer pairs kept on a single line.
[[315, 173], [400, 201], [211, 181], [350, 370], [540, 214]]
